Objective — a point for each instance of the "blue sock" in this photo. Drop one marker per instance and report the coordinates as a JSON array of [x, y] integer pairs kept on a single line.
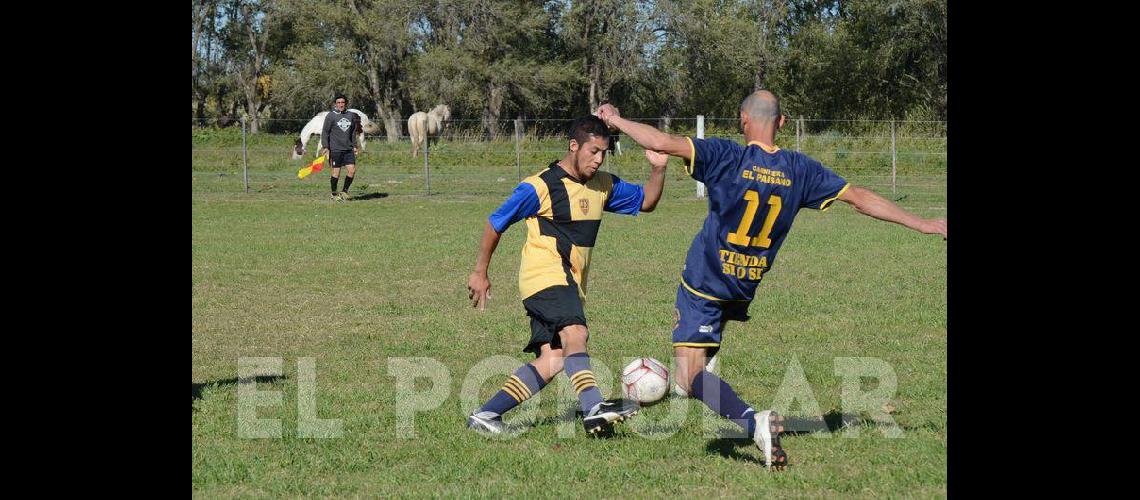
[[577, 367], [525, 383], [720, 397]]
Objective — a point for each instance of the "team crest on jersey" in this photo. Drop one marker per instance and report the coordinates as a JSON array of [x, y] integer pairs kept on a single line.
[[584, 205], [344, 123]]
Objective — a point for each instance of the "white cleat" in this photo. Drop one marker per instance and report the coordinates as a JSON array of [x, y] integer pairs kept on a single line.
[[485, 422], [769, 425]]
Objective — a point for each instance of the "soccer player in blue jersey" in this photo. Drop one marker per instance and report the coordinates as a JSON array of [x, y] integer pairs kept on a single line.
[[562, 206], [754, 193]]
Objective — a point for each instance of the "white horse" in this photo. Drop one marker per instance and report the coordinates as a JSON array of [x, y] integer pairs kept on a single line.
[[424, 125], [314, 128]]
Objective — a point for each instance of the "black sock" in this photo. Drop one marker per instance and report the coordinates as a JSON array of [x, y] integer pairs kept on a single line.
[[347, 182], [332, 182]]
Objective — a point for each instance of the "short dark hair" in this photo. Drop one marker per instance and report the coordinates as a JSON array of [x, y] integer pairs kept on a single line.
[[588, 125], [339, 97]]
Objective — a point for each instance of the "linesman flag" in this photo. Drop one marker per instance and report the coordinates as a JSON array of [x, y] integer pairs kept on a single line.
[[315, 166]]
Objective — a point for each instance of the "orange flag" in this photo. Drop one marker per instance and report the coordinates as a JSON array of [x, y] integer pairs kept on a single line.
[[315, 166]]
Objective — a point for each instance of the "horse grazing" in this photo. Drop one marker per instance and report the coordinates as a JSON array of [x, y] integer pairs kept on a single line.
[[422, 125], [314, 128]]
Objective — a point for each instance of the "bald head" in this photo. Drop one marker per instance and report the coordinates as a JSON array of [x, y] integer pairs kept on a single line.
[[761, 105]]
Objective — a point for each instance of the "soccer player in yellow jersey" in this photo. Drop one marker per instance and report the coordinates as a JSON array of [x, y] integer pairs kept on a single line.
[[562, 206]]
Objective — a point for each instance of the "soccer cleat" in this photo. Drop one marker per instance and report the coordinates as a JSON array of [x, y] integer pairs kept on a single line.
[[345, 196], [335, 197], [485, 422], [769, 425], [607, 412]]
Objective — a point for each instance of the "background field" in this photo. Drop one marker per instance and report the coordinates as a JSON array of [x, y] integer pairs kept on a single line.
[[284, 272]]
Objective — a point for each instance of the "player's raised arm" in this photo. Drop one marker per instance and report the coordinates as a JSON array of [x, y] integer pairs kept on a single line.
[[870, 203], [645, 135]]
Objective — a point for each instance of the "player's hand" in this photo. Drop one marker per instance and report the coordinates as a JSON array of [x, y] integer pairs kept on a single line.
[[934, 226], [478, 290], [657, 160], [355, 150], [607, 112], [324, 151]]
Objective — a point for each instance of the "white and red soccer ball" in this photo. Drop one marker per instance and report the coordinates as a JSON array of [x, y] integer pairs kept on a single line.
[[645, 380]]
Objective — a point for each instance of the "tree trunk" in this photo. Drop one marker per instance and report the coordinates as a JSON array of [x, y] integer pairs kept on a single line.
[[252, 105], [199, 19], [387, 108], [221, 108], [491, 112], [201, 109], [253, 122], [593, 92], [390, 117], [666, 120], [257, 41]]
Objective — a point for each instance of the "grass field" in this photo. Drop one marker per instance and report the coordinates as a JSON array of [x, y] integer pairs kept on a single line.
[[283, 272]]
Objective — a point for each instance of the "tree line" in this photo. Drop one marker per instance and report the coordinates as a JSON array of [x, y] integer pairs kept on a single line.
[[493, 60]]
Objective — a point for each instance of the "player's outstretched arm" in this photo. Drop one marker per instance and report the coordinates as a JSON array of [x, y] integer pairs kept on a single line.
[[869, 203], [478, 285], [656, 183], [645, 135]]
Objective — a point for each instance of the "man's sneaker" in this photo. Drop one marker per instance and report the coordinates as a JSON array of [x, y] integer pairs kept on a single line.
[[335, 197], [485, 421], [769, 425], [608, 412], [345, 196]]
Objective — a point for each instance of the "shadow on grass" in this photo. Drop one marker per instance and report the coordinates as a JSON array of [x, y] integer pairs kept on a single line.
[[570, 413], [369, 196], [730, 441], [727, 448], [196, 393]]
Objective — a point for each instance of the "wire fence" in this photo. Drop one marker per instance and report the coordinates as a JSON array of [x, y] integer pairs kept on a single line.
[[906, 160]]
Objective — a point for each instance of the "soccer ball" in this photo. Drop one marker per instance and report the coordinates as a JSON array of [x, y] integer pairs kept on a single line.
[[645, 380]]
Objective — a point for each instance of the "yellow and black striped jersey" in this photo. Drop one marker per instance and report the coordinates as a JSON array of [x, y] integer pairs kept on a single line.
[[562, 216]]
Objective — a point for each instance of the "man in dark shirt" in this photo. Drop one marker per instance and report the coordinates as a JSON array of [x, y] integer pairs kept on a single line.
[[339, 135]]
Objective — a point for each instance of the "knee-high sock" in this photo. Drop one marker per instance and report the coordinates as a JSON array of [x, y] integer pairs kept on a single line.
[[720, 397], [519, 387], [577, 367]]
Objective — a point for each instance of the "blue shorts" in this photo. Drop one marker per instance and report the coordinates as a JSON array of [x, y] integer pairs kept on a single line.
[[700, 321]]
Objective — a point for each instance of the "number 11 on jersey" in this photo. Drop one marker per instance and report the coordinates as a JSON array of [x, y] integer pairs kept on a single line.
[[762, 240]]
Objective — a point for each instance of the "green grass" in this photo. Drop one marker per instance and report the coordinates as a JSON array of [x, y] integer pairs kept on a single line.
[[286, 273]]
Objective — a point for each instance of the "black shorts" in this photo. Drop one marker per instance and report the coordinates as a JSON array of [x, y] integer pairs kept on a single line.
[[342, 158], [551, 310]]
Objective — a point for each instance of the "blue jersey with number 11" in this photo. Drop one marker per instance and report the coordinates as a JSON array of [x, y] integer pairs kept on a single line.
[[754, 194]]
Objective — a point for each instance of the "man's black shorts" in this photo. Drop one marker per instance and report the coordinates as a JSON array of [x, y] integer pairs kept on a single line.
[[342, 158], [551, 310]]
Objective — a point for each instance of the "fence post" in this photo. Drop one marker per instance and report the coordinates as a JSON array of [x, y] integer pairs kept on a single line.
[[427, 172], [244, 156], [518, 132], [798, 122], [700, 135], [894, 158]]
